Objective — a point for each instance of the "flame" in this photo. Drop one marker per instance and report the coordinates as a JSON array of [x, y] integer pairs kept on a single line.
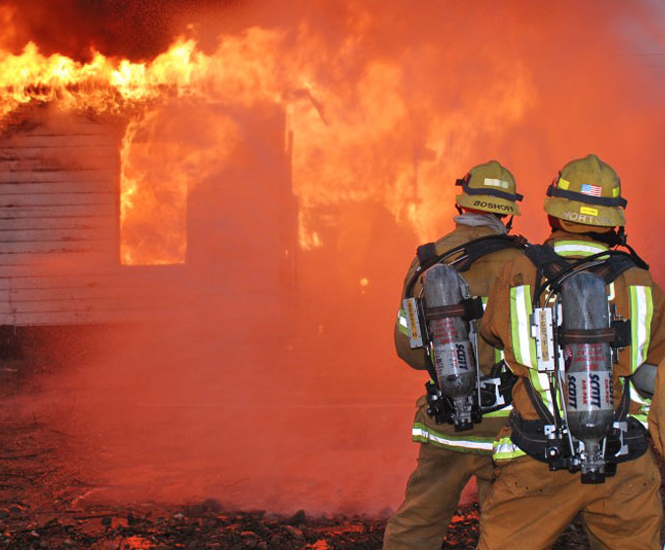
[[155, 174], [352, 142], [151, 189]]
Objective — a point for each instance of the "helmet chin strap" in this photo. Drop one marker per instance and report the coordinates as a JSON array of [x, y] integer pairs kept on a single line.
[[509, 224], [614, 237]]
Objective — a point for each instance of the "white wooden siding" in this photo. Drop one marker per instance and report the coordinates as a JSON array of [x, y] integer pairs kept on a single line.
[[59, 225], [60, 242]]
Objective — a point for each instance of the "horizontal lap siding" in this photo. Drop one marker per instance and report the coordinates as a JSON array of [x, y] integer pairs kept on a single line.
[[59, 233]]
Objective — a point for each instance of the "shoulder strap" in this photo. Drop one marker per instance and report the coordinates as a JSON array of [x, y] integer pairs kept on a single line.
[[546, 260], [426, 253], [476, 249], [608, 264], [470, 252], [616, 264]]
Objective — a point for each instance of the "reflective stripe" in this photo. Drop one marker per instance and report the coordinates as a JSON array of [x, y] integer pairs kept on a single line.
[[524, 347], [470, 444], [402, 323], [505, 449], [498, 355], [645, 405], [541, 383], [500, 413], [578, 248], [641, 312]]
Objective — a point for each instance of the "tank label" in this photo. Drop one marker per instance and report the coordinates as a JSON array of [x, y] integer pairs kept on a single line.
[[443, 331], [453, 358], [590, 390]]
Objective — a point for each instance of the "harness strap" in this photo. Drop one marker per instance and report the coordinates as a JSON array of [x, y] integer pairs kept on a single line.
[[470, 252], [537, 402], [529, 435], [615, 265], [426, 253], [544, 258], [474, 250], [614, 262], [468, 309], [586, 336]]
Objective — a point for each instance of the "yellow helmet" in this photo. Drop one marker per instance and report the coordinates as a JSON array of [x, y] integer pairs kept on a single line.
[[587, 191], [491, 188]]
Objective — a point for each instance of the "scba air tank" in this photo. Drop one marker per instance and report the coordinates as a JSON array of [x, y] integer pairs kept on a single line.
[[451, 350], [588, 376]]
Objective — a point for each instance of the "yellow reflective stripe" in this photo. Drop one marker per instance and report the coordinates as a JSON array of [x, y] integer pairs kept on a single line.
[[505, 449], [524, 347], [468, 444], [541, 383], [500, 413], [563, 184], [498, 355], [402, 324], [641, 313], [644, 403], [578, 248]]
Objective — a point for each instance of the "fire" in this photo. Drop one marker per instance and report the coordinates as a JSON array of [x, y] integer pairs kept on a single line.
[[354, 141], [155, 174]]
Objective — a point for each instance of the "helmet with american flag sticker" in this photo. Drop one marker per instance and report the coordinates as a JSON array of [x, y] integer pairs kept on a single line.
[[587, 191]]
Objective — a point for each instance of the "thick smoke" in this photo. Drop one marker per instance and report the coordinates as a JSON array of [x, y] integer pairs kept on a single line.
[[309, 407], [133, 29]]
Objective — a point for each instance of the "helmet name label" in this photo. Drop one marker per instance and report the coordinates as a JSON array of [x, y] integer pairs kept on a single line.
[[496, 206], [585, 218], [588, 210]]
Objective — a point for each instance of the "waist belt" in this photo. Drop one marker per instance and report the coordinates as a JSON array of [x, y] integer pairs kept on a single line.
[[623, 444]]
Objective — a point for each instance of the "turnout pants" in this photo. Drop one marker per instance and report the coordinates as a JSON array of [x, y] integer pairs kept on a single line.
[[529, 506], [432, 495]]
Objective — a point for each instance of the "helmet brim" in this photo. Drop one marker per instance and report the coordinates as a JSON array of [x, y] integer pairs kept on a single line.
[[588, 214]]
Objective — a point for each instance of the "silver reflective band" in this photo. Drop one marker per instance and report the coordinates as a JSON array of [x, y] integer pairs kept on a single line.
[[524, 347], [423, 434], [505, 449], [641, 313], [401, 318], [578, 248]]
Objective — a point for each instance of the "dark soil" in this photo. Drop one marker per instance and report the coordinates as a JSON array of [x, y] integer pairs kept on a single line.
[[204, 526]]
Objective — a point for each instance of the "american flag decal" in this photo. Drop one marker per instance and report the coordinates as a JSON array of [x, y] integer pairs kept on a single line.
[[594, 190]]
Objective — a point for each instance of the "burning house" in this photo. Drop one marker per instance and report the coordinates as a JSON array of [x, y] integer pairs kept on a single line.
[[98, 225]]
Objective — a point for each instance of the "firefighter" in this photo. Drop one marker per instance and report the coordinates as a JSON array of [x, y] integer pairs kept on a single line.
[[448, 458], [547, 472]]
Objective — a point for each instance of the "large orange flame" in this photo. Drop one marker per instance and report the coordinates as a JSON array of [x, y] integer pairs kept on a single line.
[[351, 142]]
